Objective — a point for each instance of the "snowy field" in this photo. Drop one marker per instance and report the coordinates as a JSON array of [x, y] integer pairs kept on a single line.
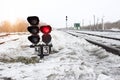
[[108, 34], [110, 42], [72, 59]]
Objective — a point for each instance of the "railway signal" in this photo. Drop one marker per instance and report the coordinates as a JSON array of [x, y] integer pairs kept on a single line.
[[33, 20], [66, 21], [46, 37], [33, 29]]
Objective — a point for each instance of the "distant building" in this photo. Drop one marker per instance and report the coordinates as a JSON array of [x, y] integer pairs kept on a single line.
[[77, 25]]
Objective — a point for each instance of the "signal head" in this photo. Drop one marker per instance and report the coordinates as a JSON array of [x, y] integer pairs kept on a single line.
[[46, 38], [33, 29], [34, 39], [45, 29], [33, 20]]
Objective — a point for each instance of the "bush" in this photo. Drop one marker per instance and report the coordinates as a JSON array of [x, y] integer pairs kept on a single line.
[[22, 59], [19, 26]]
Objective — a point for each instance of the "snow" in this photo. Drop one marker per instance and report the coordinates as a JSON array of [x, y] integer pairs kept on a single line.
[[106, 41], [72, 59], [108, 34], [104, 77], [115, 29]]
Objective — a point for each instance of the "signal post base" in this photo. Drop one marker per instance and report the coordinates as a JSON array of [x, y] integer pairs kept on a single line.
[[42, 49]]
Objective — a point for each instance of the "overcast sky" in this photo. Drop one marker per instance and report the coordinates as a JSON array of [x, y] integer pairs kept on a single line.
[[53, 12]]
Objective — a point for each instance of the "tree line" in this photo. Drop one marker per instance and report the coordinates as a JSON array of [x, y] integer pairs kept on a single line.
[[107, 25]]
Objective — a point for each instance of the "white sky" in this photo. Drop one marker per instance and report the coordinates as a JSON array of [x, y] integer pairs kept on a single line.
[[53, 12]]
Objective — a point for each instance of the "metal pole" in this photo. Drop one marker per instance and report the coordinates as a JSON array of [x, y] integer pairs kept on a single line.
[[90, 25], [94, 22], [103, 28], [82, 22], [66, 24], [97, 24]]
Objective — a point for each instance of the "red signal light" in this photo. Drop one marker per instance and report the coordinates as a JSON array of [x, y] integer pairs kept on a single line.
[[45, 29]]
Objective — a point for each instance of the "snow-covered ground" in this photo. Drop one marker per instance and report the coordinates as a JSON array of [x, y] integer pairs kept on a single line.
[[106, 41], [72, 59], [108, 34]]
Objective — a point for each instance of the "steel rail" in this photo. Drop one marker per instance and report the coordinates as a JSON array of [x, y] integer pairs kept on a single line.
[[111, 49], [100, 36]]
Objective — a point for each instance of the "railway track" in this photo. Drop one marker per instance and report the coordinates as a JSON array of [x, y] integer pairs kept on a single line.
[[8, 41], [16, 33], [5, 35], [100, 36], [108, 48]]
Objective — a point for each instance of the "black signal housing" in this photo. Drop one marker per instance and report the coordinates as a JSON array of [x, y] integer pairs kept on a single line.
[[33, 20]]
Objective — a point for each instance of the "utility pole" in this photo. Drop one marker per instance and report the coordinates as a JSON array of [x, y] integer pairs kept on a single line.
[[94, 21], [90, 25], [103, 27], [97, 23], [82, 22]]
